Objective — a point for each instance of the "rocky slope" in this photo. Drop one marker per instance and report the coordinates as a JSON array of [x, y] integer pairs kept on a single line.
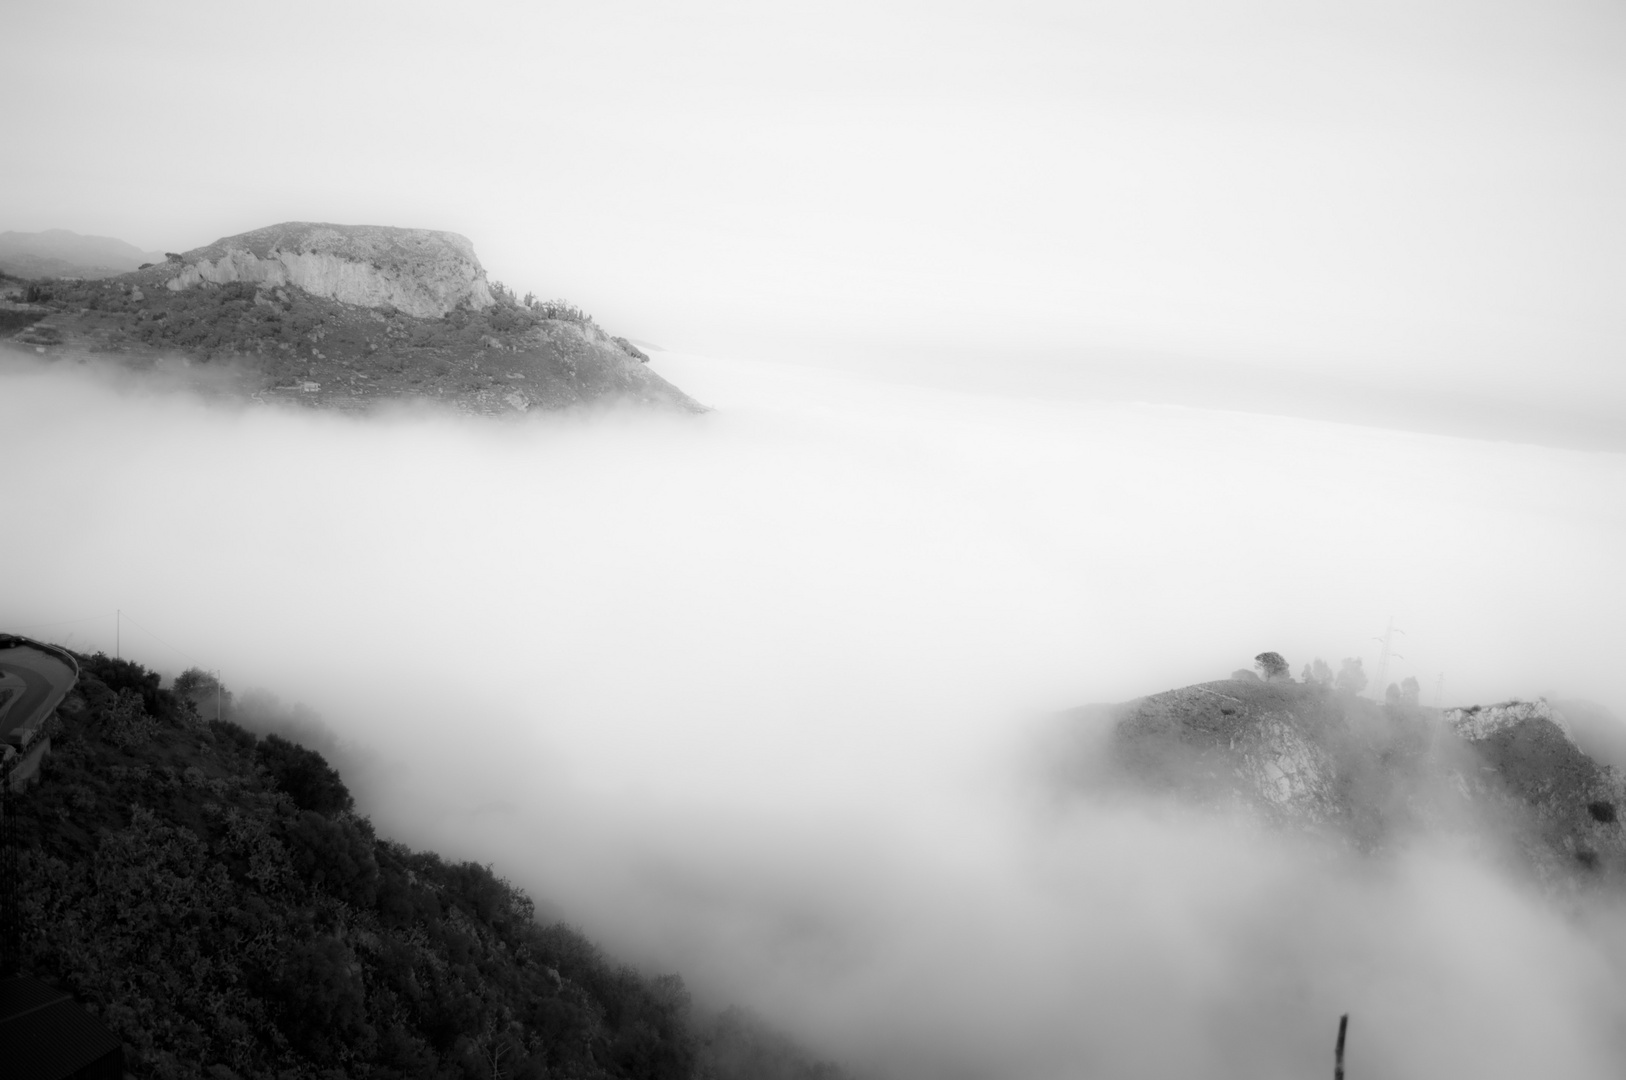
[[338, 317], [1307, 756]]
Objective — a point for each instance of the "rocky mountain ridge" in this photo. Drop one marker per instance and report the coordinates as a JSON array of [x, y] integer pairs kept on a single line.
[[335, 316], [1307, 756]]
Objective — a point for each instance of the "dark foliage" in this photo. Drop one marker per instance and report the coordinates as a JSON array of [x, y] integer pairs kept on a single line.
[[1272, 666], [119, 675], [212, 896], [308, 779]]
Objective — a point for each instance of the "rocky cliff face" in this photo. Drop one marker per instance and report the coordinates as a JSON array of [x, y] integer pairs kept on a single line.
[[1304, 756], [421, 272], [1479, 722]]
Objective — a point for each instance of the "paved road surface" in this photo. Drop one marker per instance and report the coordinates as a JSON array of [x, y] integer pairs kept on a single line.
[[40, 678]]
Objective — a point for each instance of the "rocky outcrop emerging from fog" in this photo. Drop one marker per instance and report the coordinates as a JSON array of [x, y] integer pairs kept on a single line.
[[1239, 739], [1306, 756], [340, 317], [420, 272], [1478, 722]]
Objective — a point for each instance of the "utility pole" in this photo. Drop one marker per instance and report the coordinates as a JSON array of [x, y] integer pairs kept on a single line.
[[1338, 1055], [1383, 657]]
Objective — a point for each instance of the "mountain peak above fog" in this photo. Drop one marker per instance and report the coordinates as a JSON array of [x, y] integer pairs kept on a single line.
[[337, 316], [1307, 756]]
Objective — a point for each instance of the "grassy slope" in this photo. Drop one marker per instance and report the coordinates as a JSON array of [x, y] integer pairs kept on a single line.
[[277, 341], [217, 900]]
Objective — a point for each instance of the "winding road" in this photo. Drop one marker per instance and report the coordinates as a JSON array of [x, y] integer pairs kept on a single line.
[[34, 678]]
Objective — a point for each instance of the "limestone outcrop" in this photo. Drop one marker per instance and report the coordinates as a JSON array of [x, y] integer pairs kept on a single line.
[[1477, 722], [420, 272], [1507, 777]]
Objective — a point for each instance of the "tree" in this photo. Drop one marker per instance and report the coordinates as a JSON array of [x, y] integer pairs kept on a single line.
[[1317, 673], [1410, 692], [304, 775], [1391, 695], [1272, 667], [1351, 676], [207, 693]]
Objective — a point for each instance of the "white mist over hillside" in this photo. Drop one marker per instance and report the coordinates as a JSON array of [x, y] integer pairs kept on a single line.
[[746, 695]]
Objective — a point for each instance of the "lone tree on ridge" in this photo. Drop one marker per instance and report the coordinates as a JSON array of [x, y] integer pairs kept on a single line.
[[1272, 667]]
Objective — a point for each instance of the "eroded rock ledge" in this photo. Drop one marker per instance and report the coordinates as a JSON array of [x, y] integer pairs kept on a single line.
[[421, 272]]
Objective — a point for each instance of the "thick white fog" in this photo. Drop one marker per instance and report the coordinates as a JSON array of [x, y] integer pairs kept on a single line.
[[752, 696]]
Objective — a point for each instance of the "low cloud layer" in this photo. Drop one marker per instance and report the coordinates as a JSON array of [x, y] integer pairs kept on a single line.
[[749, 695]]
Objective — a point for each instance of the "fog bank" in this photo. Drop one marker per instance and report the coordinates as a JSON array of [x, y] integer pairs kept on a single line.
[[746, 695]]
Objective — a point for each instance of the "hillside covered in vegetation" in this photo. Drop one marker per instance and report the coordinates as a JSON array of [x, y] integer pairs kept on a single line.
[[217, 900], [238, 322]]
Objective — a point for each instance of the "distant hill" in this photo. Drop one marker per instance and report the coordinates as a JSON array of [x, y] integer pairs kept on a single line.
[[1305, 756], [60, 253], [340, 316]]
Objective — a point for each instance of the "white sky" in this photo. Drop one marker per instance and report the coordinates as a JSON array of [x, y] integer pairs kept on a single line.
[[1418, 195]]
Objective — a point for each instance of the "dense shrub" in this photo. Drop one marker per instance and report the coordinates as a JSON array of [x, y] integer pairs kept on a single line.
[[335, 856], [119, 675], [304, 774], [213, 897]]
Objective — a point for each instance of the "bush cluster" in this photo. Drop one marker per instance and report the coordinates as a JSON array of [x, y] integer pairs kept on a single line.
[[216, 899], [242, 317]]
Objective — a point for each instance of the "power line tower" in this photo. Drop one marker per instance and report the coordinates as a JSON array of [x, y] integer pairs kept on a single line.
[[1387, 641]]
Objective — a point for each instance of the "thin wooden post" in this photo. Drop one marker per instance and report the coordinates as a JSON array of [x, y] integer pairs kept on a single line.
[[1338, 1067]]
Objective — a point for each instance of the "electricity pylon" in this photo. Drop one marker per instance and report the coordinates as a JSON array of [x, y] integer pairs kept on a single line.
[[1383, 657]]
